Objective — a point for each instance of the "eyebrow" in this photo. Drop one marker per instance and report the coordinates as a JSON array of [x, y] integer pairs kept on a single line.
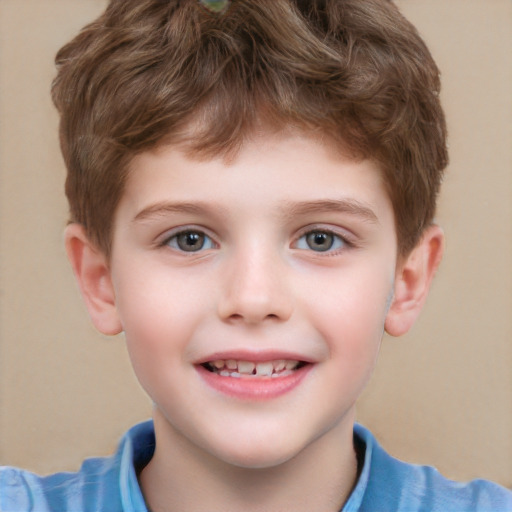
[[290, 209], [165, 207], [348, 206]]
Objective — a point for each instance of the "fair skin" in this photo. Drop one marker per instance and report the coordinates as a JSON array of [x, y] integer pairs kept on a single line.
[[284, 254]]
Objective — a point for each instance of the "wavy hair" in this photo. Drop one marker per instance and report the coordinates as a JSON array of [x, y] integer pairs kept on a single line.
[[147, 71]]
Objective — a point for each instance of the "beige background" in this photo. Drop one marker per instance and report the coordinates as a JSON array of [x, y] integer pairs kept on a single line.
[[441, 395]]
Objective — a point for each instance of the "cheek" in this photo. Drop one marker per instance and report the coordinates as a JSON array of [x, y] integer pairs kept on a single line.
[[159, 315], [155, 297], [351, 311]]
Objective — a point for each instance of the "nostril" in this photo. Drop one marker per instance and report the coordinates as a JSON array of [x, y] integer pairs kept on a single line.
[[254, 304], [237, 317]]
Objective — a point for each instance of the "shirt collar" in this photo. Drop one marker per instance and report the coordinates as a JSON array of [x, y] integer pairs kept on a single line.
[[365, 441], [138, 446], [136, 449]]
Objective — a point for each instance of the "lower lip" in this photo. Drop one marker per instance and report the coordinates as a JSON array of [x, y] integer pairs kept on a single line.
[[254, 388]]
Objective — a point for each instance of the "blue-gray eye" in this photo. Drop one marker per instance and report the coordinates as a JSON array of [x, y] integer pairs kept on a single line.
[[320, 241], [190, 241]]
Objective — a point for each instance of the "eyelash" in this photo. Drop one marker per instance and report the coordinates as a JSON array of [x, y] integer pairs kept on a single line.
[[338, 242], [174, 237]]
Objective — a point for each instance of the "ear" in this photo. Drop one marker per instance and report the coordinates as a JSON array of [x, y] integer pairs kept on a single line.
[[92, 272], [412, 281]]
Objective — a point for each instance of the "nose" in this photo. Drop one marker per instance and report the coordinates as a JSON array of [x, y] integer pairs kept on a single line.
[[255, 289]]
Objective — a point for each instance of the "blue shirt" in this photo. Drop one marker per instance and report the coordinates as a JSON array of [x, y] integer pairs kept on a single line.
[[110, 484]]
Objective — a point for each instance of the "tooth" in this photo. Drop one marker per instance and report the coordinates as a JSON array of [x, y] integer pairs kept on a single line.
[[224, 373], [284, 373], [218, 364], [279, 365], [264, 369], [231, 364], [291, 365], [246, 367]]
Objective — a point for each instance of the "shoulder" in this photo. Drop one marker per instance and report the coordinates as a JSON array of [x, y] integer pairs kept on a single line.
[[395, 485], [22, 490], [108, 484]]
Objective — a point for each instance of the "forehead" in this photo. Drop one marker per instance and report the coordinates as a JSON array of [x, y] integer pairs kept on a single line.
[[283, 174]]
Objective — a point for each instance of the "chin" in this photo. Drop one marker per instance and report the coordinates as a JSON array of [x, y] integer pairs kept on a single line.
[[257, 454], [257, 460]]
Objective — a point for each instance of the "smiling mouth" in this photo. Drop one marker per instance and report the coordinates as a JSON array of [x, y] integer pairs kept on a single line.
[[248, 369]]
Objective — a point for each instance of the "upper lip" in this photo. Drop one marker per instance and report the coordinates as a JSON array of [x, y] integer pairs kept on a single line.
[[256, 356]]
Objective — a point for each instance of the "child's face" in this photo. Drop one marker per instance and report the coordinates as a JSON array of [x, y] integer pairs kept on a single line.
[[287, 253]]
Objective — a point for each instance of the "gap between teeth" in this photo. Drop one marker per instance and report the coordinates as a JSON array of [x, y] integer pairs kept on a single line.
[[233, 368]]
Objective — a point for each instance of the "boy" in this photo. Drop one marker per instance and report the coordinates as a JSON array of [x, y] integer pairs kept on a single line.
[[252, 191]]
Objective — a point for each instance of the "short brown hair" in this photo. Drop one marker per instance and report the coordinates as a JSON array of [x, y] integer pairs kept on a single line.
[[356, 70]]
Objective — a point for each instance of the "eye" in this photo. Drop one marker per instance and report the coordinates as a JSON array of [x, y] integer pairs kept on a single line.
[[320, 241], [190, 240]]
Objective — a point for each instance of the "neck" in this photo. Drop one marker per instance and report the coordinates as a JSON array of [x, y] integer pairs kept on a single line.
[[184, 478]]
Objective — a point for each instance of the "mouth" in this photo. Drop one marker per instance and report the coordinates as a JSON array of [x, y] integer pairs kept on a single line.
[[272, 369], [254, 376]]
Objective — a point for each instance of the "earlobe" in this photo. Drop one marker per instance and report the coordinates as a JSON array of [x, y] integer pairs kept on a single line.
[[92, 273], [412, 281]]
